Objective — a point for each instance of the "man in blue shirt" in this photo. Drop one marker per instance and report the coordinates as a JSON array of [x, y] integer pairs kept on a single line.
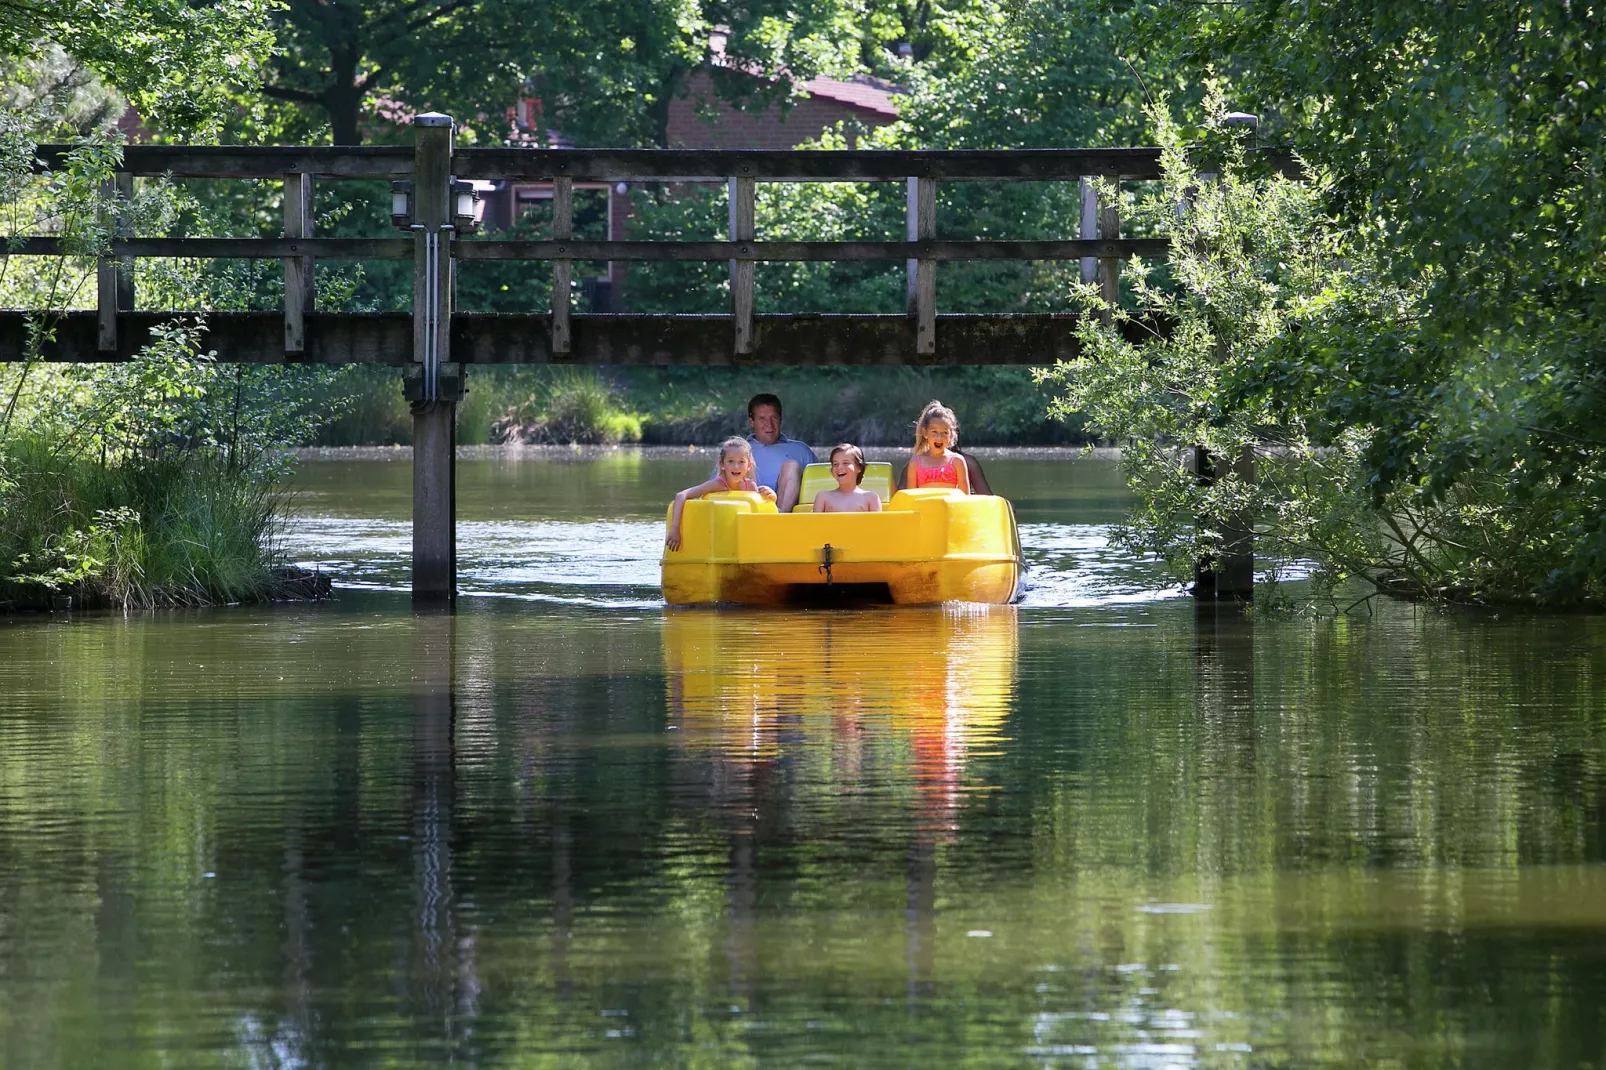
[[780, 459]]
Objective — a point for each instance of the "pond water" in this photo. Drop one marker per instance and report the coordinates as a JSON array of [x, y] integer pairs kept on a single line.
[[567, 827]]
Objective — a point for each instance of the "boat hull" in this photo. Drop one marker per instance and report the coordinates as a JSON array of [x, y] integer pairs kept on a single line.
[[927, 546]]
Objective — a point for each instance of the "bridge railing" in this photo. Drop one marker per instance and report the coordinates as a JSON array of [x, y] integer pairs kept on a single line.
[[425, 174]]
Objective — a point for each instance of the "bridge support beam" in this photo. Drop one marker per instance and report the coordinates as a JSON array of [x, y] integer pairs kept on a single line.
[[1231, 577], [433, 384], [434, 484]]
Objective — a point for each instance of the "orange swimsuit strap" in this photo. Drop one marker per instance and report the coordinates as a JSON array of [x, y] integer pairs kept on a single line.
[[943, 473]]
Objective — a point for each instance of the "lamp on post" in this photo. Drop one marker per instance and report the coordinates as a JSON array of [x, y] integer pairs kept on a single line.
[[467, 208], [401, 204]]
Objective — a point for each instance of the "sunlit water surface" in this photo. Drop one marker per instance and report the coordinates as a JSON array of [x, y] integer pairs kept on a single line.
[[567, 827]]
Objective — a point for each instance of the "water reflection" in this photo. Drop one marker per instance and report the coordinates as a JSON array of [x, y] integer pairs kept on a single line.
[[884, 703], [763, 690], [528, 836]]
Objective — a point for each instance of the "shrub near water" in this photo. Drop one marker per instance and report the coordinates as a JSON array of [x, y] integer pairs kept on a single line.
[[574, 406], [136, 535]]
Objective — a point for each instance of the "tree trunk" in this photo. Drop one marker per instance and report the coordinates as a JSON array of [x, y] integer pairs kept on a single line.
[[343, 99], [658, 110]]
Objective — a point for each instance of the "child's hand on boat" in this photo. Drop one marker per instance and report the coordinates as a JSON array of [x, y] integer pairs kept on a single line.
[[766, 493]]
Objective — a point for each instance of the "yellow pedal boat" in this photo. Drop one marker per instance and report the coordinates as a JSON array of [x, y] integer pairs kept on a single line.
[[925, 546]]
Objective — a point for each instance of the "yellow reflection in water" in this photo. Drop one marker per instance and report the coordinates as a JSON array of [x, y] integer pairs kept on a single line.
[[754, 686]]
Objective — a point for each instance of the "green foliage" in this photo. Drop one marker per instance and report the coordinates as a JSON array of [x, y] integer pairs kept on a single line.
[[605, 73], [178, 63], [1467, 153], [1272, 313], [571, 405]]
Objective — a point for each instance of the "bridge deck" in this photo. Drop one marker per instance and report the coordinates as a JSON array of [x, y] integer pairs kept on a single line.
[[622, 339]]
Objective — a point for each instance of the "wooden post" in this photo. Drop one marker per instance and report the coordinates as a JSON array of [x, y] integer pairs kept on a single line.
[[562, 230], [1110, 267], [1233, 577], [742, 228], [114, 276], [1090, 228], [298, 270], [921, 219], [434, 385]]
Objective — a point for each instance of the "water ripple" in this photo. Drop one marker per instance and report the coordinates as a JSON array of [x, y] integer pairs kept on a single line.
[[614, 563]]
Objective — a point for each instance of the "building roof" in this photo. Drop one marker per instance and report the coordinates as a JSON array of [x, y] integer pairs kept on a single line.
[[871, 94]]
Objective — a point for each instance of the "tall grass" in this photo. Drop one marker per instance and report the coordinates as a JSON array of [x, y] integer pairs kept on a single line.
[[138, 533]]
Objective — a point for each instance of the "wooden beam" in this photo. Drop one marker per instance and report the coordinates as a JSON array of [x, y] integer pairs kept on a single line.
[[125, 262], [796, 165], [238, 337], [235, 248], [921, 282], [434, 409], [299, 297], [488, 338], [887, 251], [110, 294], [742, 232], [659, 165], [1110, 267], [1089, 229], [264, 161], [634, 251], [562, 231]]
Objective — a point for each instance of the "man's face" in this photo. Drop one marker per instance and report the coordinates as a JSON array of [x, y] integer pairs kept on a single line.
[[766, 423]]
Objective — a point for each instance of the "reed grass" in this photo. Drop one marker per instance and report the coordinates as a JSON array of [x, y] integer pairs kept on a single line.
[[141, 533]]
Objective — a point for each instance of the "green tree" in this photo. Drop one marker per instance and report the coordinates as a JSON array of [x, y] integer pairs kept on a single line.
[[1467, 145], [605, 73], [178, 63], [1275, 318]]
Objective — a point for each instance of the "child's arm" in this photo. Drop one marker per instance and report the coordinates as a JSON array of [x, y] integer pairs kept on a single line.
[[963, 471], [766, 493], [819, 503], [875, 503], [909, 481], [672, 540]]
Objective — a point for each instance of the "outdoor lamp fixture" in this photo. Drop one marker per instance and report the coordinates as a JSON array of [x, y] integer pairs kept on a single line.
[[467, 207], [401, 204]]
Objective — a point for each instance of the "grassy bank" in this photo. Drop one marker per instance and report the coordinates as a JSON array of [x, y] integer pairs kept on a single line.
[[135, 534], [870, 406]]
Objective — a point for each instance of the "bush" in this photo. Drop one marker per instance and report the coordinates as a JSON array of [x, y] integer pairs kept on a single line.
[[571, 405], [136, 534]]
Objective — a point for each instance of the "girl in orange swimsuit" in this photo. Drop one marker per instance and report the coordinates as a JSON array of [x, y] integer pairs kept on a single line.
[[933, 463]]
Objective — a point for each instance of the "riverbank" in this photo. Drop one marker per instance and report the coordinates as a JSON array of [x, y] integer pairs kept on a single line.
[[140, 533], [1000, 406]]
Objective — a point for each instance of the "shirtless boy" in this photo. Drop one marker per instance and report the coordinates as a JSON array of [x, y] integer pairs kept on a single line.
[[847, 466]]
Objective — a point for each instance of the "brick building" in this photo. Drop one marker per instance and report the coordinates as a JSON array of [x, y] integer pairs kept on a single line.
[[699, 119]]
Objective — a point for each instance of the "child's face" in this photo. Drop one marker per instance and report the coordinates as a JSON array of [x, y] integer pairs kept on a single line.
[[845, 471], [938, 435], [733, 467]]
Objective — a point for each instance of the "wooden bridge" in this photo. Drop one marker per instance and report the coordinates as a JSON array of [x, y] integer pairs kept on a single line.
[[434, 344]]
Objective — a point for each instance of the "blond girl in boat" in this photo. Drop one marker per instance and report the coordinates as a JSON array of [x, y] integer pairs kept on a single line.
[[934, 463], [847, 467], [736, 469]]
